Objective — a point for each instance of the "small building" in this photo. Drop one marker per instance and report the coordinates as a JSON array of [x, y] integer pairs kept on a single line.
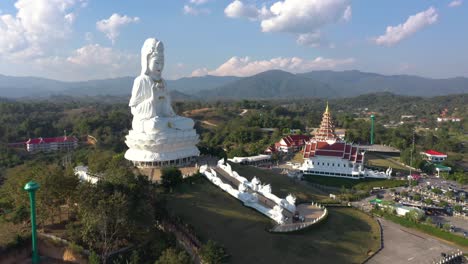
[[441, 168], [434, 156], [402, 210], [448, 119], [291, 143], [51, 144], [340, 133], [270, 150]]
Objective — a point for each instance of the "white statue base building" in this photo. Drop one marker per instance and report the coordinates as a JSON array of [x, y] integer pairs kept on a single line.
[[158, 137], [166, 147]]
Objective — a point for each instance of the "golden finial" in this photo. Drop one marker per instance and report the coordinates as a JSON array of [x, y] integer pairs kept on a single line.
[[326, 109]]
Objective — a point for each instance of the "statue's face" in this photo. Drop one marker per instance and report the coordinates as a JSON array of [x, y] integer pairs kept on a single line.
[[155, 64]]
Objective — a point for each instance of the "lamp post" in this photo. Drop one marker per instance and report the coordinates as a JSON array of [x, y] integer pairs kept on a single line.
[[372, 117], [31, 187]]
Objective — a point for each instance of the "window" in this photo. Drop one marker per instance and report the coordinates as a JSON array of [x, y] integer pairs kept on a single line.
[[333, 164]]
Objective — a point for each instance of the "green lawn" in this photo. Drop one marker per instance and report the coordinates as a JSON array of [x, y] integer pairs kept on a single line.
[[347, 235], [385, 161], [363, 184]]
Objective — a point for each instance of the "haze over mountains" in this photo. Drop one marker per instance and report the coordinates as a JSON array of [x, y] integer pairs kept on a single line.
[[272, 84]]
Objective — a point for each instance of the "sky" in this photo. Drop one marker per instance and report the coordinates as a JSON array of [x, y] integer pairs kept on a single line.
[[75, 40]]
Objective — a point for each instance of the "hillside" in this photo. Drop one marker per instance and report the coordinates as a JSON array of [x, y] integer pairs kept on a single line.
[[350, 83], [273, 84]]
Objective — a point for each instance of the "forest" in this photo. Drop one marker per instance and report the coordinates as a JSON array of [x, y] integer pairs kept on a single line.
[[131, 206]]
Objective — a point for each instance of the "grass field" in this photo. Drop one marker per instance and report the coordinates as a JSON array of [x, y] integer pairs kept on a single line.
[[384, 161], [363, 184], [347, 235]]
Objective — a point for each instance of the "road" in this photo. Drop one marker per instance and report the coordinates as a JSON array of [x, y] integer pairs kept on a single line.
[[244, 111], [403, 245]]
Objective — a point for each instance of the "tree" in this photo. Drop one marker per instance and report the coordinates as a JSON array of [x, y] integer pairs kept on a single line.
[[458, 208], [443, 203], [414, 216], [417, 197], [428, 201], [172, 256], [113, 213], [58, 187], [170, 177], [212, 253], [428, 220]]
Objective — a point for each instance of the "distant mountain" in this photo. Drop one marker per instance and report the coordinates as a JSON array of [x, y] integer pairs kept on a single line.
[[272, 84], [193, 85], [24, 86], [352, 83], [14, 87]]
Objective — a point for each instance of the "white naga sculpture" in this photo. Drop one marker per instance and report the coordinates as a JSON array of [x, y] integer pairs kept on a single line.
[[158, 135]]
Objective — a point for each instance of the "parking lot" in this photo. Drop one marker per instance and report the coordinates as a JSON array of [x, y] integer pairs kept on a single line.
[[403, 245]]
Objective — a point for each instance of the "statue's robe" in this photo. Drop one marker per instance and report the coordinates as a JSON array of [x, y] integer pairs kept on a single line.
[[149, 100]]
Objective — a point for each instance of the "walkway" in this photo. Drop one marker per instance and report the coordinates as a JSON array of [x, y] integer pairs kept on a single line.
[[403, 245], [261, 198]]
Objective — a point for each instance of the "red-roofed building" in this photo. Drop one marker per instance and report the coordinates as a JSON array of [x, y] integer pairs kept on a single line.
[[327, 155], [434, 156], [270, 150], [51, 144], [291, 143]]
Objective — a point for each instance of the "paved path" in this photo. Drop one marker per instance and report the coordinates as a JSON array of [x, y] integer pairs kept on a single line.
[[403, 245]]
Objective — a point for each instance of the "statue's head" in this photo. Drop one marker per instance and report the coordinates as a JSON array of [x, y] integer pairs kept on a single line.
[[152, 58]]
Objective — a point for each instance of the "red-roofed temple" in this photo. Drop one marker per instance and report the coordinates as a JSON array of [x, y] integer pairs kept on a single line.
[[327, 155]]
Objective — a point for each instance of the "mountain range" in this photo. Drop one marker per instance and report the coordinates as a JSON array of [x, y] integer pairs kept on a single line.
[[273, 84]]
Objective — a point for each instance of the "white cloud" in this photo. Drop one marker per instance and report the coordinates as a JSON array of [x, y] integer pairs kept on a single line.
[[456, 3], [348, 13], [198, 2], [310, 39], [89, 37], [237, 9], [413, 24], [244, 66], [303, 18], [91, 61], [35, 25], [111, 26], [189, 10]]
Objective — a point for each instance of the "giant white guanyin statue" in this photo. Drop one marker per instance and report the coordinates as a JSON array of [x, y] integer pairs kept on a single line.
[[158, 135]]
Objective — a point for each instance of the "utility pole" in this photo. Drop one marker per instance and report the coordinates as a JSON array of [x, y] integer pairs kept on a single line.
[[411, 154], [31, 187]]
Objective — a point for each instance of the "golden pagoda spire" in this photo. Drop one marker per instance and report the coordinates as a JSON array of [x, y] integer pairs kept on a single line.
[[326, 132]]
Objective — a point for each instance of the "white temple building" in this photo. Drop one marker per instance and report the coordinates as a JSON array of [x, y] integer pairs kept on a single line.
[[158, 137], [327, 155]]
